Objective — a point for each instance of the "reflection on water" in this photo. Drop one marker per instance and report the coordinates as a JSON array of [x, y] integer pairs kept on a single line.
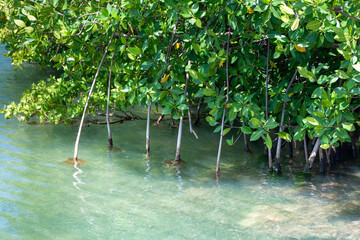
[[122, 194]]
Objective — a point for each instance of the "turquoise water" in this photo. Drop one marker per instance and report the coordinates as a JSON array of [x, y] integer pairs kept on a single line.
[[123, 195]]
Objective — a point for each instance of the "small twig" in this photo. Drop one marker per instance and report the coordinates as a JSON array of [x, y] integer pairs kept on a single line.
[[340, 10]]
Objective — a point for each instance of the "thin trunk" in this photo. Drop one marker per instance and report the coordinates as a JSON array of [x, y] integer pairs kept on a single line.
[[220, 141], [328, 154], [353, 144], [108, 104], [267, 80], [306, 155], [266, 99], [313, 153], [291, 149], [190, 125], [322, 160], [278, 150], [270, 159], [148, 130], [245, 139], [226, 101], [87, 101], [189, 112], [172, 121], [178, 145], [197, 119]]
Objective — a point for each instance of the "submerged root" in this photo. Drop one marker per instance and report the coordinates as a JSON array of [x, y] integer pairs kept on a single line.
[[176, 164], [70, 161]]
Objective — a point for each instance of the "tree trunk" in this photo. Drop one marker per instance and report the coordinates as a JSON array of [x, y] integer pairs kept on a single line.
[[108, 104], [313, 153], [246, 144], [270, 159], [353, 145], [87, 101], [187, 99], [226, 101], [322, 161], [197, 119], [148, 129], [178, 145], [306, 169], [220, 141], [278, 150], [267, 81]]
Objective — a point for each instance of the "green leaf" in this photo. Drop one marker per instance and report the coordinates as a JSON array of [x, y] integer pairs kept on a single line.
[[146, 65], [183, 107], [19, 22], [226, 130], [299, 135], [246, 130], [232, 114], [209, 92], [255, 122], [325, 146], [266, 1], [268, 141], [256, 135], [355, 91], [295, 24], [284, 135], [342, 74], [357, 67], [311, 120], [134, 51], [195, 8], [348, 126], [305, 73], [318, 128], [317, 92], [31, 17], [198, 23], [271, 124], [210, 119], [340, 36], [287, 10], [230, 141], [29, 29], [57, 35], [312, 25]]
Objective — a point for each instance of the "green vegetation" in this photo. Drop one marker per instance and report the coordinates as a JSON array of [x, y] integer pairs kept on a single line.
[[271, 67]]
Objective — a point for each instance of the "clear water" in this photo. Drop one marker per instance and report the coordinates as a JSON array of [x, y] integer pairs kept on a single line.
[[124, 195]]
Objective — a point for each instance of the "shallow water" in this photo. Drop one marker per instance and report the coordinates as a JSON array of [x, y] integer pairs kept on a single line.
[[124, 195]]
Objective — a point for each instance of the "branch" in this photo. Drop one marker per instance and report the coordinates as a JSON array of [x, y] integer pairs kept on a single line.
[[341, 11]]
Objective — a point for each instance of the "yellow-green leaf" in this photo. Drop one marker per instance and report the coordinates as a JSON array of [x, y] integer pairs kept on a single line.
[[268, 141], [284, 135], [198, 23], [29, 29], [287, 10], [295, 24], [31, 18], [57, 35], [19, 22]]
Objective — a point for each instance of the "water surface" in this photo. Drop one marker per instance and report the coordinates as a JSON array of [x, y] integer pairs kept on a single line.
[[124, 195]]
